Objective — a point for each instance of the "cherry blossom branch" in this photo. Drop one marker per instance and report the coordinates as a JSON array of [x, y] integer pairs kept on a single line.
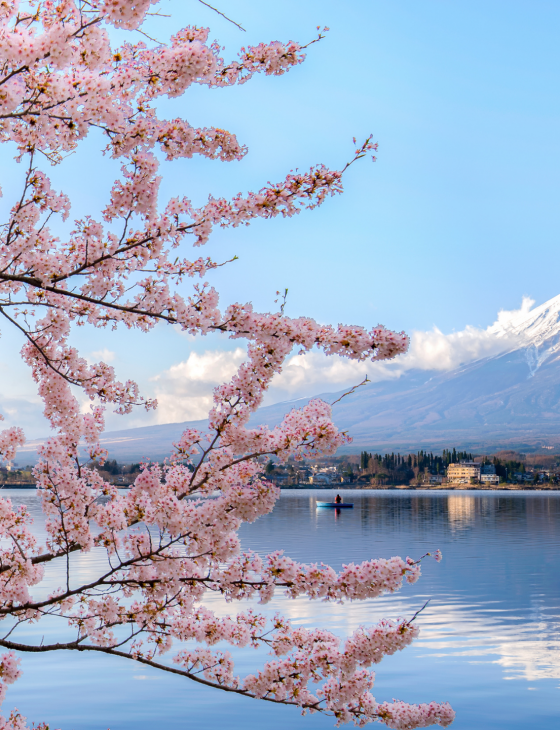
[[173, 535]]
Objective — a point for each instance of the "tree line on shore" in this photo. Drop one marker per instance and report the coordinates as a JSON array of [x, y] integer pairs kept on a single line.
[[422, 460], [383, 468], [408, 467], [405, 468]]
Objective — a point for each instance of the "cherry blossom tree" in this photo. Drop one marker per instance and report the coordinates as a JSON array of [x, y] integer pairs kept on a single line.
[[172, 537]]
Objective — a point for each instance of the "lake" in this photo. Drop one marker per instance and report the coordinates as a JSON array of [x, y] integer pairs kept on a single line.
[[489, 641]]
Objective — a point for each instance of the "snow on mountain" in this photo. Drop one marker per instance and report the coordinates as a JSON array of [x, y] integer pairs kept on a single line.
[[537, 331], [532, 326], [506, 400]]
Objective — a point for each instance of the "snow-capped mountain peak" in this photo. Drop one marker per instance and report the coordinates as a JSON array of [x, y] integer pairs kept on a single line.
[[530, 326], [536, 332]]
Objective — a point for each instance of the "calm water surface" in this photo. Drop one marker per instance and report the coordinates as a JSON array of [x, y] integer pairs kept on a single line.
[[489, 641]]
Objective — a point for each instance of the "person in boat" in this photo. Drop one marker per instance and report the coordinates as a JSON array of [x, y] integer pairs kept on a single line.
[[338, 499]]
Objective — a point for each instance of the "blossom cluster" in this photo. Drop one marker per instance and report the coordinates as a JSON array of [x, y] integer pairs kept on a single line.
[[171, 538]]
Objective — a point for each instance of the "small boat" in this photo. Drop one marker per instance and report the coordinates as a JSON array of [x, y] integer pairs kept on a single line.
[[336, 505]]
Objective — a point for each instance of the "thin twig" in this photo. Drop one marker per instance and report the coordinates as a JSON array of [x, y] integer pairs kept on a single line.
[[419, 611], [149, 37], [222, 14], [284, 297], [349, 392]]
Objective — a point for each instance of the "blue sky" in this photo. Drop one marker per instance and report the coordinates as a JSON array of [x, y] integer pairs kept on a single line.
[[457, 219]]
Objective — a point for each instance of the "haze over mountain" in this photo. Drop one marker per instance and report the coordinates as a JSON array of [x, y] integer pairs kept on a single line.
[[508, 400]]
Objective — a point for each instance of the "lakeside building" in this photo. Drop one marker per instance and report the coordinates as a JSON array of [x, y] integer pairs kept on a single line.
[[320, 479], [432, 479], [465, 472], [488, 475]]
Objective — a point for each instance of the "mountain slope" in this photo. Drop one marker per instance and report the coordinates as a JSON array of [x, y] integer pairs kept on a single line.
[[510, 400]]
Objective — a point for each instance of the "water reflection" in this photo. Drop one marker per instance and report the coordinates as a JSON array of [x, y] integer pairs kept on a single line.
[[460, 510], [490, 634], [495, 598]]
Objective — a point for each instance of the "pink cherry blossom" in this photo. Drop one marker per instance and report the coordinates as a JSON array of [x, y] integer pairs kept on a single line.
[[173, 536]]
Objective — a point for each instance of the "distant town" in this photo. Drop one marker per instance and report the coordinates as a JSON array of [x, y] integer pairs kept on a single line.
[[452, 469]]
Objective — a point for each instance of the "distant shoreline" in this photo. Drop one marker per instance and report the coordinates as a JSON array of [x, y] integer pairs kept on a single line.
[[404, 487], [446, 488], [30, 485]]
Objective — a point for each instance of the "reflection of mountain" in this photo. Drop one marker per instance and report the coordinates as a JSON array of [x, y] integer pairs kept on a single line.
[[451, 629], [508, 400], [494, 614], [484, 634], [495, 599], [492, 603]]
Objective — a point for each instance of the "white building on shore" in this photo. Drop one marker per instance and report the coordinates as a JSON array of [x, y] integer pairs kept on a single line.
[[488, 475], [465, 472]]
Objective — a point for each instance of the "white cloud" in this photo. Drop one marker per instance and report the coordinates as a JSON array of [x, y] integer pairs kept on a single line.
[[104, 355], [184, 391], [433, 350], [314, 372], [26, 412]]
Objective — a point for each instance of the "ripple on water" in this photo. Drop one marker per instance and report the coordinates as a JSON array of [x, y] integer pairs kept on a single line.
[[489, 641]]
